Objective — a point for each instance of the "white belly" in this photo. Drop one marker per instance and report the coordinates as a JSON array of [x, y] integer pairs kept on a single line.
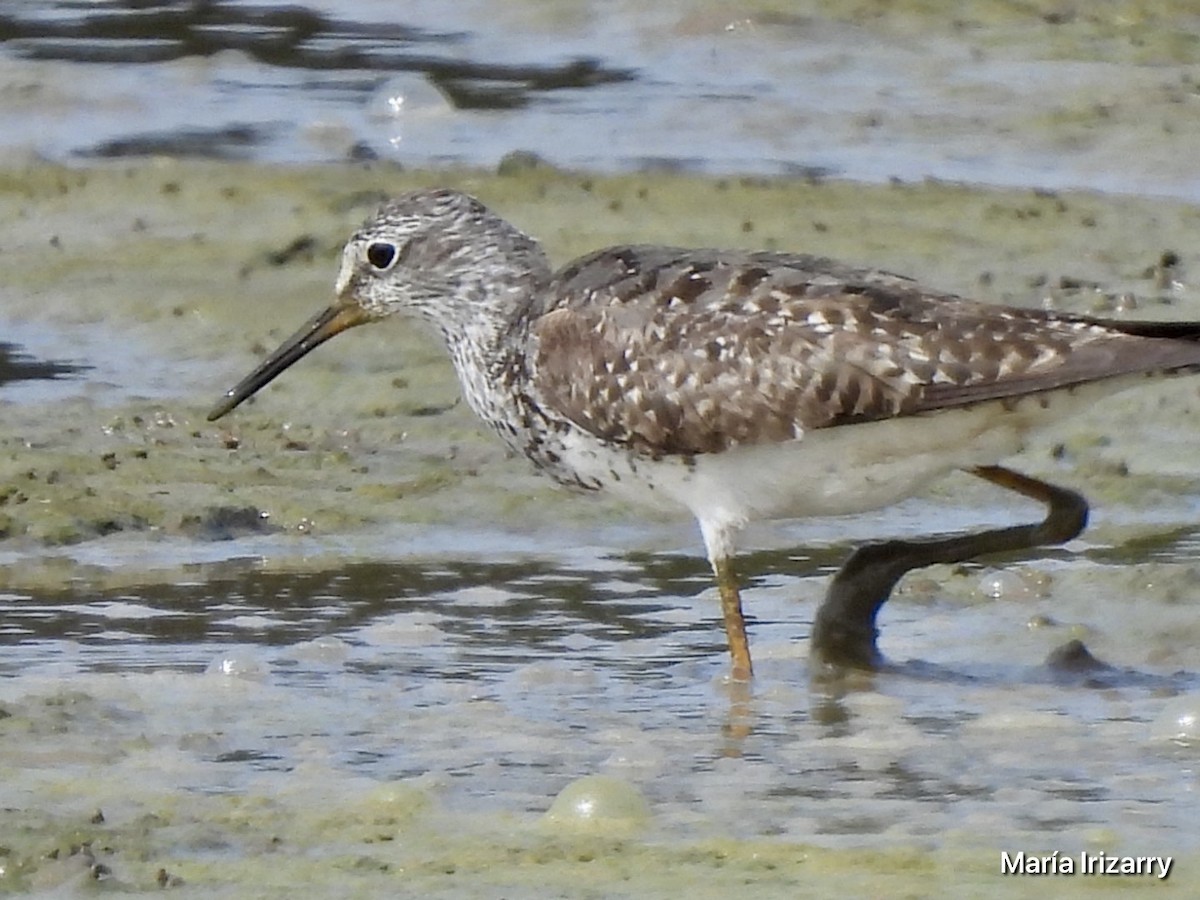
[[835, 471]]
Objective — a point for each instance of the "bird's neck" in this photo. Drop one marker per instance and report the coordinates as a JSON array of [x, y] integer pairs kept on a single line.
[[488, 348]]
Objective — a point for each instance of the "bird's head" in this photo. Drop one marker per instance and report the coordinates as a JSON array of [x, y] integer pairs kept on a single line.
[[437, 254]]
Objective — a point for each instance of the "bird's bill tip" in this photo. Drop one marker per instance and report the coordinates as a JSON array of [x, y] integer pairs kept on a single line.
[[328, 322]]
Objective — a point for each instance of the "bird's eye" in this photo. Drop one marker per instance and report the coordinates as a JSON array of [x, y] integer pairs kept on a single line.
[[381, 254]]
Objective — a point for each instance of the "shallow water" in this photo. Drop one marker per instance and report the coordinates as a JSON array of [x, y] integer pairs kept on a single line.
[[470, 691], [1022, 95], [343, 642]]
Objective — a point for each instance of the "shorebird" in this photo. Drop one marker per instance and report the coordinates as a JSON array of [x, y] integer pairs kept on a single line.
[[741, 385]]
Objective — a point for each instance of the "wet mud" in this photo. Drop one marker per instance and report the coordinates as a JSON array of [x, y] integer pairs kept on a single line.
[[342, 639]]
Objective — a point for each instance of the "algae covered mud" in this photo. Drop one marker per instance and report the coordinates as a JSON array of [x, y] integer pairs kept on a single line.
[[341, 641]]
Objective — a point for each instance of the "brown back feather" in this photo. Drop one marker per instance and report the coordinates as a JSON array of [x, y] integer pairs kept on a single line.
[[681, 352]]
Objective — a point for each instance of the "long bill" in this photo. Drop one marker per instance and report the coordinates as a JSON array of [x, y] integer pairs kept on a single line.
[[316, 331]]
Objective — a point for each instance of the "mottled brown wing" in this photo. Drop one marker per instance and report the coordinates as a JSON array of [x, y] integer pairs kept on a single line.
[[675, 352]]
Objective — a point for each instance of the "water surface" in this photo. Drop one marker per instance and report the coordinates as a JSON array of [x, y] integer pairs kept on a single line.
[[995, 94], [340, 640]]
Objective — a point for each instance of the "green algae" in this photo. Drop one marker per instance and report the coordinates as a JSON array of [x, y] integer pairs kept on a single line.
[[209, 265], [1130, 31], [369, 432], [193, 268], [261, 847]]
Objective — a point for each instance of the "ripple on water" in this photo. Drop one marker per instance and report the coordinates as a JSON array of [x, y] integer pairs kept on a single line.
[[405, 713]]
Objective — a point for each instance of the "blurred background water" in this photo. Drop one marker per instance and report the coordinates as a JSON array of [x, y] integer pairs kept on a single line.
[[610, 85]]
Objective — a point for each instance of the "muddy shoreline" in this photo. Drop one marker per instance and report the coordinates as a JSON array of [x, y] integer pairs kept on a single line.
[[272, 673], [170, 279]]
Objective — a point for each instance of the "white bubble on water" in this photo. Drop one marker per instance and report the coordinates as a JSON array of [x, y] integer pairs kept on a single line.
[[239, 664]]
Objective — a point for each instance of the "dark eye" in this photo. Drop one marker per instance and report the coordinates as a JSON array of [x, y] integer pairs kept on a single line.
[[381, 254]]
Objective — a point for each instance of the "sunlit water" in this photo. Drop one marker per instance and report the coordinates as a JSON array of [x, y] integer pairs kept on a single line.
[[501, 681], [486, 671], [600, 86]]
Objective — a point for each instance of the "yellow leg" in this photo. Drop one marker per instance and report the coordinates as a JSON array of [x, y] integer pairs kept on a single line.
[[735, 623]]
